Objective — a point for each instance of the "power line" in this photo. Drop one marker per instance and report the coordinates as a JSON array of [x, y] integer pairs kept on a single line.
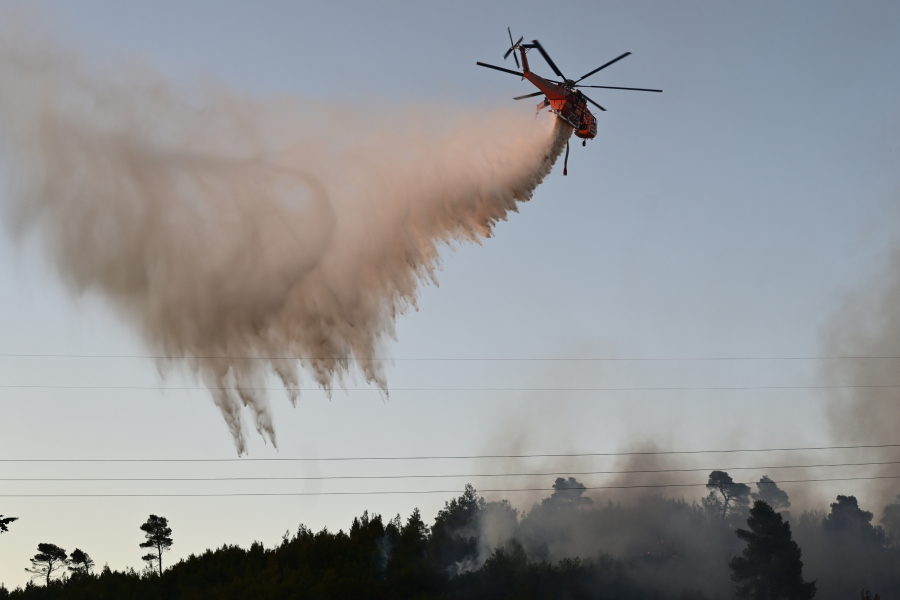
[[456, 359], [379, 390], [403, 492], [472, 475], [461, 457]]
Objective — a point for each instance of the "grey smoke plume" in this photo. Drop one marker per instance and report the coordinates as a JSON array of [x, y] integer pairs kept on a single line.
[[260, 230], [673, 546], [868, 325]]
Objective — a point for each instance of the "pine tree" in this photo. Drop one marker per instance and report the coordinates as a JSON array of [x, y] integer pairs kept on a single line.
[[49, 559], [726, 498], [769, 492], [80, 562], [770, 567], [158, 534], [5, 521]]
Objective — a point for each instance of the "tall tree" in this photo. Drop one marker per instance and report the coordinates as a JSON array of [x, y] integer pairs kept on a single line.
[[849, 519], [5, 521], [567, 493], [769, 492], [454, 539], [769, 567], [726, 498], [415, 527], [890, 520], [158, 536], [413, 537], [80, 562], [49, 559], [407, 565]]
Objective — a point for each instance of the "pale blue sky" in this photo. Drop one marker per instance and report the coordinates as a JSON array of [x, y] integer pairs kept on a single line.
[[729, 216]]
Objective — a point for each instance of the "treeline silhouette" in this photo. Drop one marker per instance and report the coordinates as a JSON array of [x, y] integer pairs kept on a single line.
[[564, 547]]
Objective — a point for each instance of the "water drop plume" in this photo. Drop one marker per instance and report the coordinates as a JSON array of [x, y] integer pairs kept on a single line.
[[223, 225]]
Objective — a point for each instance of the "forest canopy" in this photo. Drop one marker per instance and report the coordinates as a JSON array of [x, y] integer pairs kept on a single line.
[[565, 546]]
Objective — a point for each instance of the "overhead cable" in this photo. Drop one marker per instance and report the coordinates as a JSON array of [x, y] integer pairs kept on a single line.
[[451, 476], [455, 359], [457, 457], [405, 492], [158, 388]]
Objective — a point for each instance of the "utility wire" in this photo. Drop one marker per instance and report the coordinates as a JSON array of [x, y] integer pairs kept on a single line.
[[472, 475], [403, 492], [461, 457], [455, 359], [379, 390]]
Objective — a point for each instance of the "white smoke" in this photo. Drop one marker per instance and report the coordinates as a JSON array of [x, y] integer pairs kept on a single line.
[[257, 229]]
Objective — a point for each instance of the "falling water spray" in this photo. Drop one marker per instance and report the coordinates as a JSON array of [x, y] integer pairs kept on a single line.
[[246, 237]]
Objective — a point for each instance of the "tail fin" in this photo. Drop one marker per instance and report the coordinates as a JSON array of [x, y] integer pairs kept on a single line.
[[525, 68]]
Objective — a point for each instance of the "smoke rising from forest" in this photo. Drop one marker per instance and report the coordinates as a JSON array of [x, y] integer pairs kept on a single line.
[[868, 325], [263, 229], [676, 548]]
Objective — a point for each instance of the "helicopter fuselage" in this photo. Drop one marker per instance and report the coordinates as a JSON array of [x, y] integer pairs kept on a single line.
[[566, 103]]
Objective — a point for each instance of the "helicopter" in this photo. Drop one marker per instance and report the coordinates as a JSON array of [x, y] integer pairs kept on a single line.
[[564, 98]]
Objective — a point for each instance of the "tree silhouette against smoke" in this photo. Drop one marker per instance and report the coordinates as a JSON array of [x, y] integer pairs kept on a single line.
[[769, 492], [890, 520], [726, 498], [567, 493], [49, 559], [769, 567], [847, 552], [158, 534], [849, 521], [846, 513], [454, 536]]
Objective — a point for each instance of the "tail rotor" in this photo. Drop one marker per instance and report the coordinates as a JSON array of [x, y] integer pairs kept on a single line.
[[512, 47]]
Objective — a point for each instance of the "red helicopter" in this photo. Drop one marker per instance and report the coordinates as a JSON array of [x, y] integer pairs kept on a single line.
[[563, 97]]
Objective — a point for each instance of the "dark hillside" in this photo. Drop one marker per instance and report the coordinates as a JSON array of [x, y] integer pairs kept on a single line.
[[564, 547]]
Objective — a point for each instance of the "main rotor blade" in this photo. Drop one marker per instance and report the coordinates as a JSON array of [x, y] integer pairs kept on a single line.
[[594, 103], [481, 64], [529, 96], [609, 87], [549, 60], [604, 66]]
